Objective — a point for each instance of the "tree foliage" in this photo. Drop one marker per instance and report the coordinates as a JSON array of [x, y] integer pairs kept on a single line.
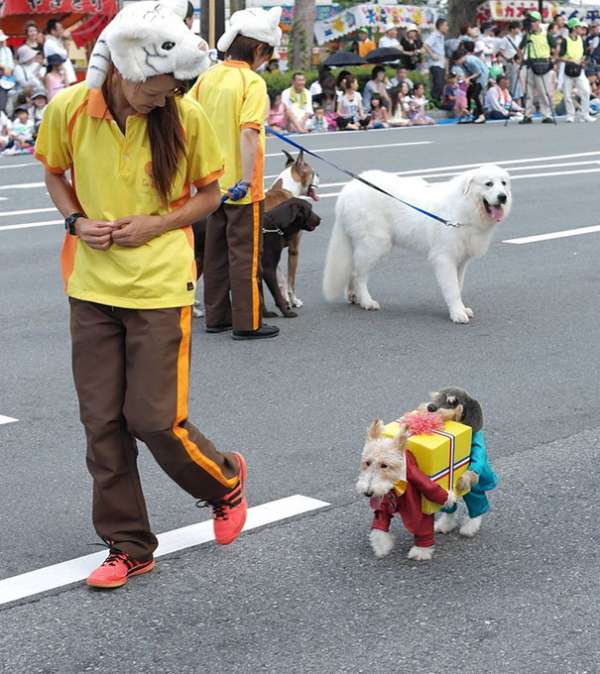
[[461, 12]]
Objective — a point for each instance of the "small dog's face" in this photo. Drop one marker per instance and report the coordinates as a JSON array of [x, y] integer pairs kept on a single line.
[[307, 219], [454, 404], [305, 178], [382, 463], [489, 185]]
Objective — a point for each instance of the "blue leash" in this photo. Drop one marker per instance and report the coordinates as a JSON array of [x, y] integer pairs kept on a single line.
[[293, 143]]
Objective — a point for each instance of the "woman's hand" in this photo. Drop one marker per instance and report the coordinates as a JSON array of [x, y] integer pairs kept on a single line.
[[95, 233], [136, 230]]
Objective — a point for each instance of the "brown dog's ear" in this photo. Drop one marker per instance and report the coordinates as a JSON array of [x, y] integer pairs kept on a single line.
[[472, 414], [289, 158], [375, 429], [300, 160]]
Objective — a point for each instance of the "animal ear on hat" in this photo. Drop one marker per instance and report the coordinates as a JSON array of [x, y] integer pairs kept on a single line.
[[375, 430], [472, 414], [178, 7]]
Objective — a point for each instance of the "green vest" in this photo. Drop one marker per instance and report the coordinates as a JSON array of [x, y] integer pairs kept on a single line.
[[538, 46], [574, 49]]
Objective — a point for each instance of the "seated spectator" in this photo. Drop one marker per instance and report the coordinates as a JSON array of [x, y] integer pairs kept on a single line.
[[7, 61], [28, 72], [298, 101], [399, 107], [390, 38], [34, 39], [318, 123], [455, 96], [39, 102], [365, 45], [401, 76], [56, 79], [327, 100], [499, 103], [272, 66], [21, 132], [351, 114], [316, 88], [278, 118], [376, 85], [5, 127], [339, 82], [379, 113], [417, 104], [412, 48]]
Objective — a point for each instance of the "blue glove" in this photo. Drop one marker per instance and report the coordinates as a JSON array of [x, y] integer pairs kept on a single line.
[[238, 191]]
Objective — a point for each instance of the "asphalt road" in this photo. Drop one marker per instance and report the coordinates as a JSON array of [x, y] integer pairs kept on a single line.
[[306, 595]]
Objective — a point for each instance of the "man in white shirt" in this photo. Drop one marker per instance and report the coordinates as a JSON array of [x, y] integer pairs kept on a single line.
[[436, 58], [509, 51], [53, 44], [390, 39], [498, 102], [298, 102]]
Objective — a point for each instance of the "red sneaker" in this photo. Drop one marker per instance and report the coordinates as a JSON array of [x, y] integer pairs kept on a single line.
[[229, 514], [116, 569]]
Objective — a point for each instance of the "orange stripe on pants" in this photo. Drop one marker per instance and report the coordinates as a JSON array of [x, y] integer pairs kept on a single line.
[[255, 260], [183, 378]]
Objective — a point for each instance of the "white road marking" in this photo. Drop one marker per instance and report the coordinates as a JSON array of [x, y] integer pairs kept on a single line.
[[12, 166], [555, 235], [357, 147], [22, 186], [27, 212], [75, 570], [27, 225], [6, 420]]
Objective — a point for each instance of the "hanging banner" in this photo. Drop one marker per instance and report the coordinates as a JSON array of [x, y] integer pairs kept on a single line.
[[11, 7], [372, 16], [517, 10]]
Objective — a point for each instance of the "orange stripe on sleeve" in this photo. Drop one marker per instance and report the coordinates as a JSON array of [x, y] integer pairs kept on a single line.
[[57, 170], [183, 377]]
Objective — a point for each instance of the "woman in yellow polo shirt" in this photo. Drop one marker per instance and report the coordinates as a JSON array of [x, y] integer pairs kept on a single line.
[[135, 147], [235, 100]]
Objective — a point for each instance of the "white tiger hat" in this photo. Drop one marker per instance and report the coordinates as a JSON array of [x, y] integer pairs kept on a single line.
[[145, 39], [253, 22]]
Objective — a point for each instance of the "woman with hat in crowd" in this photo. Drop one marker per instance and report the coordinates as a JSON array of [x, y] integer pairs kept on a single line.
[[412, 47], [29, 69], [138, 149], [390, 39]]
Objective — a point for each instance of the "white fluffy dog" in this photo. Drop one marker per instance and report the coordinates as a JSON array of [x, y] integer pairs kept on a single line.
[[368, 224]]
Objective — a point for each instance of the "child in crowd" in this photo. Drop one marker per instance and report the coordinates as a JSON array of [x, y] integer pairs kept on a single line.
[[278, 115], [417, 104], [56, 78], [21, 132], [351, 115], [39, 103], [5, 127], [399, 109], [455, 96], [318, 122], [379, 113]]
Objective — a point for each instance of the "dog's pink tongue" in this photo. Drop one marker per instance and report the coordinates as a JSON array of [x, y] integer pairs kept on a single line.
[[497, 213], [312, 194]]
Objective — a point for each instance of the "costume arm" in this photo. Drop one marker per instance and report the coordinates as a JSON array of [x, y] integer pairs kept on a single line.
[[381, 520], [478, 453], [424, 484]]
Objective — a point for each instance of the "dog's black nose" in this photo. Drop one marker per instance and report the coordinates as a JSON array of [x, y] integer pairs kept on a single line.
[[432, 407], [369, 494], [502, 198]]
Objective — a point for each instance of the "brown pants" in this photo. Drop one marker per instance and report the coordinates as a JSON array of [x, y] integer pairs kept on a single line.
[[232, 269], [131, 371]]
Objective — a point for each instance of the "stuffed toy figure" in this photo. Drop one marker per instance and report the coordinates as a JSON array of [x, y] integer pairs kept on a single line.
[[457, 405]]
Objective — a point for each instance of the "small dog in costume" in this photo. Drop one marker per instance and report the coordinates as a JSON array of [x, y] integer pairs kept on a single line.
[[457, 405], [390, 477]]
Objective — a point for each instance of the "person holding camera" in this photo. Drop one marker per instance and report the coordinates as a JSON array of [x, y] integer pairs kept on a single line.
[[572, 53], [537, 47]]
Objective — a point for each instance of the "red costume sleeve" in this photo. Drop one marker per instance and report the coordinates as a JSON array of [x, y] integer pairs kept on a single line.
[[425, 485], [382, 517]]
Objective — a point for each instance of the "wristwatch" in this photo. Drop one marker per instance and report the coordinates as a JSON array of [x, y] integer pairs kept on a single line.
[[70, 222]]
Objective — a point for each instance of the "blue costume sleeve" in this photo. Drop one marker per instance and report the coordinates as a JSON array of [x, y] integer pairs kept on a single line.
[[479, 460]]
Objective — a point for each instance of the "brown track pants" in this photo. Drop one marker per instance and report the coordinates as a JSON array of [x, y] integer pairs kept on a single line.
[[131, 371], [232, 267]]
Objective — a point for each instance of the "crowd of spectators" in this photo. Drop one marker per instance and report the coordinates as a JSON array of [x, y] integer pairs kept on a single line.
[[483, 73], [30, 76]]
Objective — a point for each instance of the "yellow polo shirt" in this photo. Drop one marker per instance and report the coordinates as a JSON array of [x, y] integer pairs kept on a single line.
[[111, 174], [234, 97]]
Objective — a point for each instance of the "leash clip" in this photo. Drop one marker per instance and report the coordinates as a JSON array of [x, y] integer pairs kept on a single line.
[[453, 223]]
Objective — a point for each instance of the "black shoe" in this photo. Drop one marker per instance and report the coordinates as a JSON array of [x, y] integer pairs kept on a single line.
[[219, 328], [264, 332], [547, 120], [526, 120]]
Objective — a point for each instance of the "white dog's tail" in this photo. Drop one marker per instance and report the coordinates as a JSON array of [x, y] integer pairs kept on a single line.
[[338, 263]]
